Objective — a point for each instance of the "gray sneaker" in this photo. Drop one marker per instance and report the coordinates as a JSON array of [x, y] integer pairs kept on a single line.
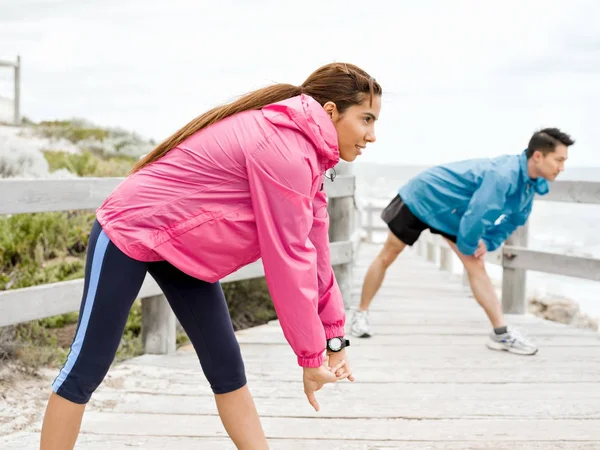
[[360, 324], [512, 341]]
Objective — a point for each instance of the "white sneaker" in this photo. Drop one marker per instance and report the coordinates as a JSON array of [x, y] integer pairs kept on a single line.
[[360, 324], [512, 341]]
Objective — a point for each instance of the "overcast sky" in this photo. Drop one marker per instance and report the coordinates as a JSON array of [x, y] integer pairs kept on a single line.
[[462, 78]]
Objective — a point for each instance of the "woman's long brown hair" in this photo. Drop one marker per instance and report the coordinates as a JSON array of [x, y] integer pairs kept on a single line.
[[343, 84]]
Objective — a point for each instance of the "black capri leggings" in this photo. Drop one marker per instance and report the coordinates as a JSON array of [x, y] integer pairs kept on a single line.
[[112, 283]]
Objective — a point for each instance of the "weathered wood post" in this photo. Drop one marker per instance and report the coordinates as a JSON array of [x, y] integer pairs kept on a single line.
[[340, 223], [514, 281], [431, 248], [420, 247], [158, 326], [369, 211], [445, 258], [17, 94], [17, 88]]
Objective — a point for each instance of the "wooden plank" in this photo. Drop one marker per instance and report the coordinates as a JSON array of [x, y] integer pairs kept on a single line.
[[494, 257], [343, 185], [568, 191], [441, 366], [7, 64], [274, 336], [481, 329], [517, 257], [383, 379], [408, 401], [89, 441], [573, 192], [31, 196], [38, 302], [312, 427]]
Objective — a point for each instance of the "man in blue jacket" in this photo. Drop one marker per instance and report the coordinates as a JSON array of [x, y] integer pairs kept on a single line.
[[475, 205]]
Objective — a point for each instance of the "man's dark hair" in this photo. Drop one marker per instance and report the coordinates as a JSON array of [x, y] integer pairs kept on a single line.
[[546, 141]]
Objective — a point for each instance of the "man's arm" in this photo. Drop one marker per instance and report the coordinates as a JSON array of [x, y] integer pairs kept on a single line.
[[486, 205]]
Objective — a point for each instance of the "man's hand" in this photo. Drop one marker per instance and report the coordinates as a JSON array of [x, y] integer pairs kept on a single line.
[[481, 250], [333, 359]]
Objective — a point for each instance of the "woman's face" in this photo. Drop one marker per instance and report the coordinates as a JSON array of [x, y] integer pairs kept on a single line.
[[355, 127]]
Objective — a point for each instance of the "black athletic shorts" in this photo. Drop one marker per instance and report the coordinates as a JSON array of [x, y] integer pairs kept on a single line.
[[405, 225]]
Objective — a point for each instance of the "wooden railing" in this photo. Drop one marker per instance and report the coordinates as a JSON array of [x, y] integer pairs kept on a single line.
[[514, 256], [158, 322]]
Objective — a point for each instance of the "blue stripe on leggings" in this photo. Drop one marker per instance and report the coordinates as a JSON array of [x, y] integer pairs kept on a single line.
[[99, 251]]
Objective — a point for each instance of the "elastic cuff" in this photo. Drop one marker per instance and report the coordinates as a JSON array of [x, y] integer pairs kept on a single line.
[[73, 398], [466, 249], [490, 246], [332, 331], [229, 387], [315, 361]]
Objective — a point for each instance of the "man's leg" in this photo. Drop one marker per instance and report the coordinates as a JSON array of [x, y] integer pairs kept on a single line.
[[482, 287], [483, 290], [372, 282]]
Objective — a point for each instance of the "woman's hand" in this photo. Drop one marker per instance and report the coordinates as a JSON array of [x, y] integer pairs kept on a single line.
[[334, 359], [316, 377]]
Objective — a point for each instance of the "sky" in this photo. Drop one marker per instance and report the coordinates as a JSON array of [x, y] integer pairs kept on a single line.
[[461, 78]]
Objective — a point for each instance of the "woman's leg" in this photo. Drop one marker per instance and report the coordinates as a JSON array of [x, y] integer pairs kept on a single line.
[[202, 311], [112, 282]]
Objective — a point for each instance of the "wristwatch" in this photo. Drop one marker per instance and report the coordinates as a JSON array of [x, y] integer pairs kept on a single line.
[[335, 344]]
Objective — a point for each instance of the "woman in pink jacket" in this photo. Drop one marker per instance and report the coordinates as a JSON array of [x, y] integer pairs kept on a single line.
[[241, 182]]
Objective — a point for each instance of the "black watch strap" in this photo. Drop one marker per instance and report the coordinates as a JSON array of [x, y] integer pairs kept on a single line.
[[344, 343]]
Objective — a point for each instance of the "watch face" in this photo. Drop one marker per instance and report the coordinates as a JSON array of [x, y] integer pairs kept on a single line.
[[335, 343]]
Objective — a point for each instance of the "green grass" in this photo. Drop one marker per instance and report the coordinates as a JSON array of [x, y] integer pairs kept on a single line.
[[69, 130], [88, 164]]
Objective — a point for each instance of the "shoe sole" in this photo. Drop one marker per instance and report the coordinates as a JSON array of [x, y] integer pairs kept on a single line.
[[499, 347], [362, 335]]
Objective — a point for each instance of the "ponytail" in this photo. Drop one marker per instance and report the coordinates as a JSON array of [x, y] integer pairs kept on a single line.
[[254, 100]]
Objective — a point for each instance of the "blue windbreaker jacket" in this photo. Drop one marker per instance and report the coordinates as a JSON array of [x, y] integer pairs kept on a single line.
[[475, 199]]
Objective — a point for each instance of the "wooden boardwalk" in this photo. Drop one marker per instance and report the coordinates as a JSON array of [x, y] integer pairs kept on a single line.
[[424, 381]]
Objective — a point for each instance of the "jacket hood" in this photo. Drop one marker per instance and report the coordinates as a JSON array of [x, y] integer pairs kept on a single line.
[[305, 114]]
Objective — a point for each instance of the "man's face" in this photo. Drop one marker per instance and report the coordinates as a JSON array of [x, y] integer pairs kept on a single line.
[[553, 163]]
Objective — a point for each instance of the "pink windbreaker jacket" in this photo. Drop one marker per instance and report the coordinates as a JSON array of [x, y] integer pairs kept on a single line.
[[247, 187]]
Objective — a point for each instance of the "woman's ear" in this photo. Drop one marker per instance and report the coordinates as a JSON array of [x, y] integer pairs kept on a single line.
[[331, 109]]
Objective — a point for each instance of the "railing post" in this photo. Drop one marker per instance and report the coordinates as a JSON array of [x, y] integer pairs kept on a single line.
[[420, 247], [514, 281], [17, 94], [431, 250], [369, 211], [445, 258], [158, 326], [340, 217]]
